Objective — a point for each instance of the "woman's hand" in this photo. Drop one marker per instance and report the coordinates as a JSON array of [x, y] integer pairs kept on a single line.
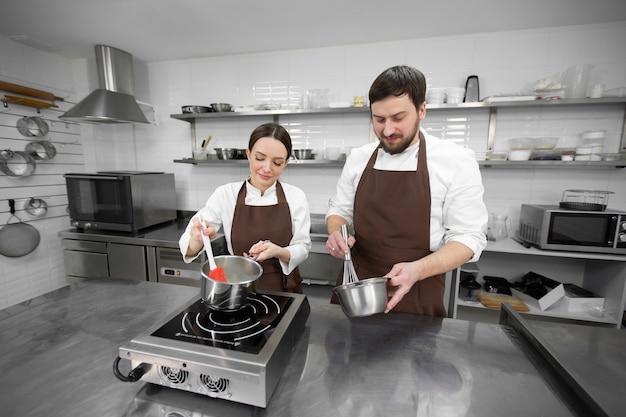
[[198, 229], [265, 249]]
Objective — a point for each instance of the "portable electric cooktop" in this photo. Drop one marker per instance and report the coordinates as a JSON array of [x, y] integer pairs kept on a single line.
[[235, 355]]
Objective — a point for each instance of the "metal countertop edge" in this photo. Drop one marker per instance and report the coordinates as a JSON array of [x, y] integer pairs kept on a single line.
[[556, 374]]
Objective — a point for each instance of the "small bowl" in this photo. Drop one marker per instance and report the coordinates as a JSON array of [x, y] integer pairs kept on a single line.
[[364, 297], [303, 153], [221, 107], [519, 155], [226, 153]]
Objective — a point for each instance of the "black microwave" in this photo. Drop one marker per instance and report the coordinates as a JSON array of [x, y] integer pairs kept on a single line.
[[125, 201], [553, 228]]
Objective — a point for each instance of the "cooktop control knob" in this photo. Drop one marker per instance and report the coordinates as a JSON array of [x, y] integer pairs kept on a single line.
[[622, 237]]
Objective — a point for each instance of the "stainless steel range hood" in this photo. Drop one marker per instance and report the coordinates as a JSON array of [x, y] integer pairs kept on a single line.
[[113, 102]]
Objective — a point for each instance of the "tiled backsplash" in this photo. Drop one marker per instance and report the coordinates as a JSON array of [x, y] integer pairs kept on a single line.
[[506, 62]]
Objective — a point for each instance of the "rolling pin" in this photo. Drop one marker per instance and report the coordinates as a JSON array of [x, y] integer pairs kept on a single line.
[[27, 91]]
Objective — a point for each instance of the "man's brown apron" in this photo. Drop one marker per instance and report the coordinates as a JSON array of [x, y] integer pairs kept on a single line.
[[254, 223], [392, 225]]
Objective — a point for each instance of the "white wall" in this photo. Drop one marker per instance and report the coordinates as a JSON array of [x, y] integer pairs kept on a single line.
[[506, 62], [42, 270]]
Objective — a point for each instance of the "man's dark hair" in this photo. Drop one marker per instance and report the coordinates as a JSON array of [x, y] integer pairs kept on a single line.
[[398, 81]]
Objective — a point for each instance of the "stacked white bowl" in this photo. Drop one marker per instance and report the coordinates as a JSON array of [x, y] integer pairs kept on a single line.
[[436, 95], [455, 95]]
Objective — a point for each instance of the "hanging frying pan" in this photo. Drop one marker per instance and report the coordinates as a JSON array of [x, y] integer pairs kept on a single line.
[[18, 239]]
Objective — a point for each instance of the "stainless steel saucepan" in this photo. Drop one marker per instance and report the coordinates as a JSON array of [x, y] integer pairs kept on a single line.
[[241, 279]]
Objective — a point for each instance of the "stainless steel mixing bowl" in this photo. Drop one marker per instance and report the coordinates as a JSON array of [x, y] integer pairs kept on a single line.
[[364, 297]]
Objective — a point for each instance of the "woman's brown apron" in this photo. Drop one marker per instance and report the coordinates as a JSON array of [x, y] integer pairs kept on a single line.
[[254, 223], [392, 225]]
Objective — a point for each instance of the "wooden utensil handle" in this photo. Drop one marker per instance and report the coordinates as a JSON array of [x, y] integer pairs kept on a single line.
[[27, 91], [28, 102]]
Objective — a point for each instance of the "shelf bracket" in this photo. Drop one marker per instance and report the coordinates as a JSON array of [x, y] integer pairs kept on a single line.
[[491, 136]]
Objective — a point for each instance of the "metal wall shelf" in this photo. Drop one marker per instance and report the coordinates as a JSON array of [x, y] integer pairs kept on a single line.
[[491, 106], [309, 163]]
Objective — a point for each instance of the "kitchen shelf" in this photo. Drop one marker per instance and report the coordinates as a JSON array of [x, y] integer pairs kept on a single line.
[[557, 311], [492, 107], [553, 164], [603, 274], [310, 163], [191, 117]]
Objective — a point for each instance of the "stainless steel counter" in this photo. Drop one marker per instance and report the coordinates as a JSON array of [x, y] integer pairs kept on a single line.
[[165, 235], [60, 347]]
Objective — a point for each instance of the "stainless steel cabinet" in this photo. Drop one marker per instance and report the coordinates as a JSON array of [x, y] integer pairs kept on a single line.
[[85, 259], [91, 259], [127, 261]]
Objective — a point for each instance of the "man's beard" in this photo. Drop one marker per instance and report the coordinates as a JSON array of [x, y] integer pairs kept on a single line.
[[398, 147]]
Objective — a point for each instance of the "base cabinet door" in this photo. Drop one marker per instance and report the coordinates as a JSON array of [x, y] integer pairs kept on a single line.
[[127, 262]]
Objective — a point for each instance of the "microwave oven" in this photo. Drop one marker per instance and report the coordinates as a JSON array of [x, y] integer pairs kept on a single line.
[[124, 201], [553, 228]]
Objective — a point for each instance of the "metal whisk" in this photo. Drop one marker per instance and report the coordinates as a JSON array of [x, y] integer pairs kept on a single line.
[[349, 274]]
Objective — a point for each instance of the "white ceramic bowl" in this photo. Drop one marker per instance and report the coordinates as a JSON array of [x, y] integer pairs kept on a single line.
[[519, 155]]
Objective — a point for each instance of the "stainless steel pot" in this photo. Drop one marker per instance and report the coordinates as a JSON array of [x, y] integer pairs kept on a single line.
[[241, 274], [221, 107], [364, 297], [226, 153], [16, 163], [196, 109], [41, 150], [36, 207], [303, 153], [32, 126]]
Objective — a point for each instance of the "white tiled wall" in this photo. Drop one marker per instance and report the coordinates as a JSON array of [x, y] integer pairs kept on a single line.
[[506, 62]]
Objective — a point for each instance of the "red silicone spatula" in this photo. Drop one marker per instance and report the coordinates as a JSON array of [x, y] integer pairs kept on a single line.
[[216, 273]]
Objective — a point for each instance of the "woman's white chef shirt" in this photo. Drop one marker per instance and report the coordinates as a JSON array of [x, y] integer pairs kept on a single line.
[[458, 212], [220, 208]]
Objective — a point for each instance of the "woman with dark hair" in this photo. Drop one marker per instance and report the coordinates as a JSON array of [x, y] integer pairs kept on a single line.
[[261, 216]]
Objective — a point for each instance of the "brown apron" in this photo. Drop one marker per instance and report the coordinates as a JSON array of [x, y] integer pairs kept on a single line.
[[254, 223], [392, 225]]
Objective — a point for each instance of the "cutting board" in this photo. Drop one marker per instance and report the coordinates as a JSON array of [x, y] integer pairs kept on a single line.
[[494, 301]]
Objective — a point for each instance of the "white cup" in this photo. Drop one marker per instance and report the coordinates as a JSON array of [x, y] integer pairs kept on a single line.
[[596, 91], [332, 153]]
